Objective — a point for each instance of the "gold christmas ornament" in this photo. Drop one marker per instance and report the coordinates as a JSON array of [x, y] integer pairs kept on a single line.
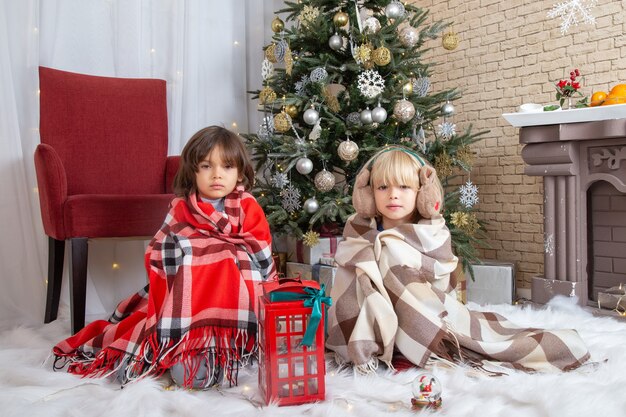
[[459, 219], [340, 19], [308, 15], [267, 95], [363, 53], [282, 122], [404, 110], [381, 56], [291, 110], [269, 53], [324, 181], [450, 40], [348, 150], [472, 224], [288, 61], [331, 100], [443, 165], [407, 88], [311, 238], [465, 156], [277, 25]]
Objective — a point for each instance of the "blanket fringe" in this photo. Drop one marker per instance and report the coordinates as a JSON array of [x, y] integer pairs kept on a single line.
[[222, 348]]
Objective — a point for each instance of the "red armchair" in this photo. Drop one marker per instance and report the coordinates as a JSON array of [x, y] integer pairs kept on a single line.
[[102, 170]]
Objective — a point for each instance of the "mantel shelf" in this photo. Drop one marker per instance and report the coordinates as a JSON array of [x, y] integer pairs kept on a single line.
[[587, 114]]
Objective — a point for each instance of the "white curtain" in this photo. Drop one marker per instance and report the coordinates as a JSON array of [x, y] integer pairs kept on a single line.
[[208, 51]]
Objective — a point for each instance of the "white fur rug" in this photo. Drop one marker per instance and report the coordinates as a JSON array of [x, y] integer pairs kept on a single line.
[[29, 387]]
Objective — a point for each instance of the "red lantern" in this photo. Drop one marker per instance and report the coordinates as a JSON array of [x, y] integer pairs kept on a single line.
[[292, 317]]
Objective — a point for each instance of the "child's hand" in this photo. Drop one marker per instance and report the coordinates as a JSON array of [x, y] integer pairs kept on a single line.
[[429, 198]]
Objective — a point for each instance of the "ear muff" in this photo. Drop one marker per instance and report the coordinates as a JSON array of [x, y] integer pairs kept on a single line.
[[429, 197], [362, 194]]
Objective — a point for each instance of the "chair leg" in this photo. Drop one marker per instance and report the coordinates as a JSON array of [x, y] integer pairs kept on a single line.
[[78, 282], [56, 253]]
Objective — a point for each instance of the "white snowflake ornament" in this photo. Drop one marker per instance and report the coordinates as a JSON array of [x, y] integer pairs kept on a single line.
[[469, 194], [280, 180], [291, 198], [267, 69], [573, 11], [370, 83], [447, 129]]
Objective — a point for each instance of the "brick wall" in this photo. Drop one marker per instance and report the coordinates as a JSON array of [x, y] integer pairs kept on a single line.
[[510, 53]]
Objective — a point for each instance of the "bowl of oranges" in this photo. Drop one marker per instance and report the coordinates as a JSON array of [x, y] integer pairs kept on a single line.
[[617, 95]]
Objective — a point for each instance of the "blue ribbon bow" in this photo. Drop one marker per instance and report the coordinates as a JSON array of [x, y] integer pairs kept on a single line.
[[312, 298]]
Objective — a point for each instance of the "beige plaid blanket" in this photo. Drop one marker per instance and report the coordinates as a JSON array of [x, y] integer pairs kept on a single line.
[[394, 290]]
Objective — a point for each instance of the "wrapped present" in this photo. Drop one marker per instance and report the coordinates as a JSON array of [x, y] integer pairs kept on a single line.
[[280, 261], [299, 252], [292, 367], [461, 284], [323, 274], [493, 283], [328, 259]]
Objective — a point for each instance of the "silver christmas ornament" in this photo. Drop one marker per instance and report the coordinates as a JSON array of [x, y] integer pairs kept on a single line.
[[379, 114], [304, 165], [311, 205], [319, 75], [371, 25], [354, 119], [404, 110], [311, 116], [366, 117], [335, 42], [447, 109], [394, 10], [324, 181], [348, 150], [409, 36]]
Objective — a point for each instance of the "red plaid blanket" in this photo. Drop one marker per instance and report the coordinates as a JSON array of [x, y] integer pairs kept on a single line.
[[204, 269]]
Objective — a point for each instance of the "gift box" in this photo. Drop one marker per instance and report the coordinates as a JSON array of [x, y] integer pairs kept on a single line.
[[299, 252], [461, 284], [280, 262], [292, 367], [323, 274], [493, 283]]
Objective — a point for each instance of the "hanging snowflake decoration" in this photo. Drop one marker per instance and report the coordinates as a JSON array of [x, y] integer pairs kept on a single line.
[[548, 244], [280, 180], [362, 54], [370, 83], [469, 194], [316, 131], [267, 69], [447, 129], [267, 128], [301, 85], [291, 198], [308, 15], [572, 12]]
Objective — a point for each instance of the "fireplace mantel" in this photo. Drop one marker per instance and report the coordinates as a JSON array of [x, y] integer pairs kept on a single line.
[[571, 157]]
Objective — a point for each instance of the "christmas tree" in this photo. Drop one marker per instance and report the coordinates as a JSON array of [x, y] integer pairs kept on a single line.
[[341, 80]]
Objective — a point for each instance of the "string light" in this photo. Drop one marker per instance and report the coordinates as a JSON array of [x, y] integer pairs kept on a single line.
[[152, 50], [36, 190], [236, 43], [234, 125], [115, 265]]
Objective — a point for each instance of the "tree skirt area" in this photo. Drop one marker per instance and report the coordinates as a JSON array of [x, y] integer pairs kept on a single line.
[[29, 386]]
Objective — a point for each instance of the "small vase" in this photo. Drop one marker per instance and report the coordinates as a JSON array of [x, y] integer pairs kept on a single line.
[[568, 103]]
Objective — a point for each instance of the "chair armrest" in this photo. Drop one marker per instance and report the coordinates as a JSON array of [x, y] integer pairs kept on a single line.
[[171, 167], [52, 186]]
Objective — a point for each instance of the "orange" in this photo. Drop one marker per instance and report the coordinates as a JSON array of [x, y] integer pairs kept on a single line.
[[614, 99], [597, 98], [619, 90]]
